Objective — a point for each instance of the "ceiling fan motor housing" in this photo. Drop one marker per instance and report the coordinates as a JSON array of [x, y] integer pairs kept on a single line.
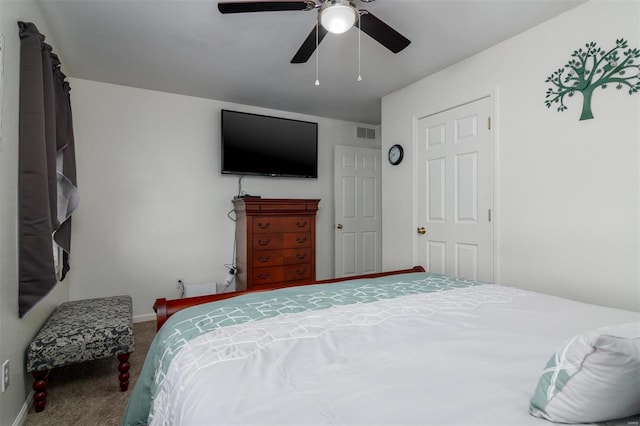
[[337, 16]]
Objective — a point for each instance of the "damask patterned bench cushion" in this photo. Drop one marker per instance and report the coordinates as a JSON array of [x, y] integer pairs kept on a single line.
[[83, 330]]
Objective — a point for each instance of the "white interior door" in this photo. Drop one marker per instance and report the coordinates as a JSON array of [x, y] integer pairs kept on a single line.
[[358, 206], [454, 191]]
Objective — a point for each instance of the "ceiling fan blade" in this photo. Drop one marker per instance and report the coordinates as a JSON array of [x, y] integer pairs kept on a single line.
[[264, 6], [309, 45], [381, 32]]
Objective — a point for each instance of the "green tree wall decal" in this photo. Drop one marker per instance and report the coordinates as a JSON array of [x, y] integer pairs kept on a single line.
[[591, 68]]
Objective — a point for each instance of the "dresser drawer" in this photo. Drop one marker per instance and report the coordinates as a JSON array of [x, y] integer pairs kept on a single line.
[[264, 258], [270, 224], [281, 274], [281, 241]]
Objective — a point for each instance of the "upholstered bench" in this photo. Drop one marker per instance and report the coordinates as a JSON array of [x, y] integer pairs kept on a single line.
[[82, 330]]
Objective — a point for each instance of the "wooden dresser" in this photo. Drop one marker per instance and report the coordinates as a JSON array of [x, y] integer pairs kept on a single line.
[[275, 241]]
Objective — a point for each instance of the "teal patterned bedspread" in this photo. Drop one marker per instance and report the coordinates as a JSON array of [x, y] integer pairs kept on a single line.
[[189, 323]]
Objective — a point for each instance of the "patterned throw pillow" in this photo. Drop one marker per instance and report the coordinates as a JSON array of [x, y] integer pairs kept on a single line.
[[593, 377]]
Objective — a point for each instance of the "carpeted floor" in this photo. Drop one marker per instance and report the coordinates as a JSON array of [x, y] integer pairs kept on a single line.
[[89, 393]]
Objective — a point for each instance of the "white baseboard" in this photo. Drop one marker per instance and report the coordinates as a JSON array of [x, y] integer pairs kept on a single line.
[[144, 318], [22, 415]]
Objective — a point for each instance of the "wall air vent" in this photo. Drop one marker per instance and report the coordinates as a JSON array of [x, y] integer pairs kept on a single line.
[[365, 133]]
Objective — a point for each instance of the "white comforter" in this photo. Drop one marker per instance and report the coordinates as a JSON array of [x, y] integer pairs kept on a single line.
[[463, 356]]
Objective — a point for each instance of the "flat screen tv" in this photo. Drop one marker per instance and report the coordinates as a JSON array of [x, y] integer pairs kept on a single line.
[[253, 144]]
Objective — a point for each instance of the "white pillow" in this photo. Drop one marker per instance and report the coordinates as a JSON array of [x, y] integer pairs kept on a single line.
[[593, 377]]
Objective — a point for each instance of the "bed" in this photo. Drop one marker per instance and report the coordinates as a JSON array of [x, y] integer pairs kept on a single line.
[[400, 348]]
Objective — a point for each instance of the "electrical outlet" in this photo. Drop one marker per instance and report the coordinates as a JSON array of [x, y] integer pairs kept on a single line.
[[5, 375]]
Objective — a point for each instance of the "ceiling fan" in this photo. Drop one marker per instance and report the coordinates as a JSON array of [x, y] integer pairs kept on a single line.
[[334, 16]]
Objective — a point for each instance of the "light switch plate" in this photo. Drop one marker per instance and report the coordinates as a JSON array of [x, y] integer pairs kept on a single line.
[[5, 375]]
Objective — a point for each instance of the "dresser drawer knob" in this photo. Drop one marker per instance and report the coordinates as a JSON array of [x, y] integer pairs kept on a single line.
[[265, 242], [264, 259], [299, 272], [264, 276], [301, 240], [301, 224], [301, 256], [264, 226]]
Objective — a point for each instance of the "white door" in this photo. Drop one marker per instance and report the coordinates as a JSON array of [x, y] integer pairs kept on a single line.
[[454, 235], [358, 221]]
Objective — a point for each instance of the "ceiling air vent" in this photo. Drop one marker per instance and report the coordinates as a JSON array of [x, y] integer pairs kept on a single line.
[[365, 133]]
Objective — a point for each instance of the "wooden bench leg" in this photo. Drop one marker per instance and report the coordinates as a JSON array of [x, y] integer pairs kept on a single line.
[[40, 389], [123, 368]]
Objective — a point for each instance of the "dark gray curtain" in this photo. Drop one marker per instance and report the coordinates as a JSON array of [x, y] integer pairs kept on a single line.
[[47, 177]]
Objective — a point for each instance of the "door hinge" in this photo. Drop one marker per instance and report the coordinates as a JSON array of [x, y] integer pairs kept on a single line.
[[489, 123], [489, 215]]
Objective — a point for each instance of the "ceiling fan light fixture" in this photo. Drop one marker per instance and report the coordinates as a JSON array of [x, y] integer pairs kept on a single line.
[[338, 17]]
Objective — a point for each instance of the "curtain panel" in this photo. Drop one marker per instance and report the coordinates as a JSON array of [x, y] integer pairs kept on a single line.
[[47, 193]]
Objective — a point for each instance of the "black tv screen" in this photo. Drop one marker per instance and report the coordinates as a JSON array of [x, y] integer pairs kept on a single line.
[[253, 144]]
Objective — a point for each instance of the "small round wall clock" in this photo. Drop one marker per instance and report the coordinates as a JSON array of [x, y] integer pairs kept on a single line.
[[396, 153]]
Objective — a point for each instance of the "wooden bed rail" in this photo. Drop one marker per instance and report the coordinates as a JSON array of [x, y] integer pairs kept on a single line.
[[165, 308]]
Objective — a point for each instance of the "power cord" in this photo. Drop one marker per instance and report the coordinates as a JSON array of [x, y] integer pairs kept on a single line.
[[240, 186], [181, 288], [230, 278], [232, 266]]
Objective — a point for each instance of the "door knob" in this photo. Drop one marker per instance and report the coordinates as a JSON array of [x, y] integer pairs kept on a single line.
[[339, 226], [422, 230]]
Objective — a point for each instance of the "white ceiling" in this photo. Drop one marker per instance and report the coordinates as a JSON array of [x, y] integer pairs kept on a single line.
[[188, 47]]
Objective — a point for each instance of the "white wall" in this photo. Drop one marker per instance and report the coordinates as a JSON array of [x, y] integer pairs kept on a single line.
[[153, 202], [15, 333], [567, 192]]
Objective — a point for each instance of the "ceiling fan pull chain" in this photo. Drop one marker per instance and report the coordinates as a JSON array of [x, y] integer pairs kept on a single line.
[[317, 56], [359, 75]]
